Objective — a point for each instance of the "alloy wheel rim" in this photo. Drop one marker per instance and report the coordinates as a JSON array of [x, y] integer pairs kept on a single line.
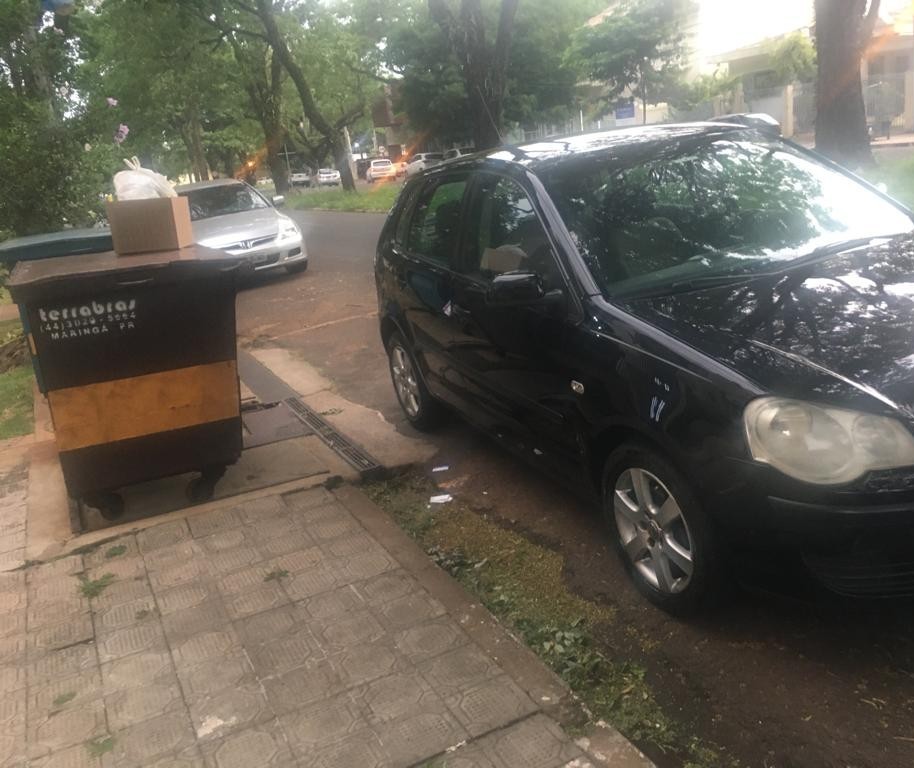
[[405, 381], [654, 533]]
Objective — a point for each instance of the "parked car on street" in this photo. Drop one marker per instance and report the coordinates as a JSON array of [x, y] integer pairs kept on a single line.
[[418, 163], [234, 217], [456, 152], [380, 169], [707, 327], [328, 177], [300, 179]]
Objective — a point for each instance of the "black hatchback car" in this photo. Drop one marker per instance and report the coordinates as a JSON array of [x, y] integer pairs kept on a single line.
[[710, 327]]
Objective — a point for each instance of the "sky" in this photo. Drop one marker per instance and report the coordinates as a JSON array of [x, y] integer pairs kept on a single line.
[[730, 24]]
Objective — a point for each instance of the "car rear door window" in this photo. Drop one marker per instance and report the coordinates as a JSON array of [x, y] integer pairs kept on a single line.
[[505, 234], [435, 223]]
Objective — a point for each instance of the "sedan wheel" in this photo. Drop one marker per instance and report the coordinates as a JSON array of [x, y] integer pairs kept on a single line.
[[654, 534], [422, 410], [663, 535]]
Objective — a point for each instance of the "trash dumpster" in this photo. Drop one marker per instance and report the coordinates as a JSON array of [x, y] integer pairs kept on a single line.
[[137, 357], [65, 243]]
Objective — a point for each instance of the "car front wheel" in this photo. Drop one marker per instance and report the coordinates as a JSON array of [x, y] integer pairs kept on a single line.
[[663, 535], [421, 409]]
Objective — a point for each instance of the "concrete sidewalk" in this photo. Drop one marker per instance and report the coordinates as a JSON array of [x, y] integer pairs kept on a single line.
[[303, 629]]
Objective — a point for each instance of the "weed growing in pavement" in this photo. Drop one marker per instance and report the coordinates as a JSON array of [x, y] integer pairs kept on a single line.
[[522, 584], [279, 573], [142, 614], [94, 587], [98, 747], [64, 698], [115, 551]]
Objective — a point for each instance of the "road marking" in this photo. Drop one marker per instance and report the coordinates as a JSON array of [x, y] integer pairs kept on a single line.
[[318, 326]]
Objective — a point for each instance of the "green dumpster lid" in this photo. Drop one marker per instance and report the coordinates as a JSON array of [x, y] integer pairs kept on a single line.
[[50, 244]]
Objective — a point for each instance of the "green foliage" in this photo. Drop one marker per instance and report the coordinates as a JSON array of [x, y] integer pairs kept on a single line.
[[94, 587], [115, 551], [99, 747], [638, 48], [794, 59], [16, 412], [64, 698], [540, 83], [276, 575]]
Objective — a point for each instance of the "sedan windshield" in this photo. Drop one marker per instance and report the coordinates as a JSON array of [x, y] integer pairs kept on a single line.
[[222, 200], [729, 206]]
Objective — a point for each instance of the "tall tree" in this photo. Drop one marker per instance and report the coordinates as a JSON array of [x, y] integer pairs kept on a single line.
[[843, 30], [483, 64], [638, 48]]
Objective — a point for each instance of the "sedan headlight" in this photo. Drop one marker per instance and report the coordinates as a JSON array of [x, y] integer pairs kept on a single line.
[[824, 445], [288, 229]]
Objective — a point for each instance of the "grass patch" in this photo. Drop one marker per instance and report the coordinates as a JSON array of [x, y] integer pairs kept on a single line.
[[142, 614], [379, 199], [64, 698], [10, 329], [115, 551], [94, 587], [522, 584], [279, 573], [16, 410], [99, 747]]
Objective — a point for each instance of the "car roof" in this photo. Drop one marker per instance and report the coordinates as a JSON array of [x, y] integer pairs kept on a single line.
[[380, 160], [618, 143], [207, 184]]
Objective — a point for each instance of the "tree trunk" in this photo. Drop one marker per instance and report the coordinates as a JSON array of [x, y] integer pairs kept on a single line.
[[309, 106], [198, 156], [484, 69], [843, 29]]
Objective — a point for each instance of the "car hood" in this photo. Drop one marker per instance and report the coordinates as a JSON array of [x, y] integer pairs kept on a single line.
[[840, 329], [221, 231]]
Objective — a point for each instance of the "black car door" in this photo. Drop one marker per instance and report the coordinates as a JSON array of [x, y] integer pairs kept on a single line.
[[425, 249], [513, 358]]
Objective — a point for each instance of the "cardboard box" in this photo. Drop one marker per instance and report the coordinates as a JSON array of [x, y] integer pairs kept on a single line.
[[156, 224]]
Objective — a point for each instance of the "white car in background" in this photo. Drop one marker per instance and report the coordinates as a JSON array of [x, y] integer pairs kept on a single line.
[[380, 169], [327, 177], [421, 161], [234, 217], [300, 179]]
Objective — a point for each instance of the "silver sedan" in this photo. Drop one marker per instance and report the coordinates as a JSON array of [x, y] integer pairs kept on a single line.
[[234, 217]]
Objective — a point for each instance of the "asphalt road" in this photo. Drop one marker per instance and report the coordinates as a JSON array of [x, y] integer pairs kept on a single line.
[[777, 679]]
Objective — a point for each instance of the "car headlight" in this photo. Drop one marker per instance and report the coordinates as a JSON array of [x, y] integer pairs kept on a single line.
[[824, 445], [288, 229]]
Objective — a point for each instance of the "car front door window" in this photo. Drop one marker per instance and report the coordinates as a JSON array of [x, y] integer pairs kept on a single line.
[[507, 236]]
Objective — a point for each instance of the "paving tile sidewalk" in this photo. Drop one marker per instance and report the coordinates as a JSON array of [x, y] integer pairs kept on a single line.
[[296, 630]]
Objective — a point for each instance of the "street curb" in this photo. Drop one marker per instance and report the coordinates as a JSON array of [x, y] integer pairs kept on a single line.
[[602, 743]]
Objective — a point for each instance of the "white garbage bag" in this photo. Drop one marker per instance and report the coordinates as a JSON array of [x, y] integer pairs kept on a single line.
[[139, 183]]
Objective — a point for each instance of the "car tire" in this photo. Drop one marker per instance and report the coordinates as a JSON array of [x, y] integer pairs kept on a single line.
[[665, 538], [422, 410]]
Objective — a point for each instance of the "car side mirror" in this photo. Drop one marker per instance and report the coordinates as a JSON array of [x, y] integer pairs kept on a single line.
[[279, 201], [518, 289]]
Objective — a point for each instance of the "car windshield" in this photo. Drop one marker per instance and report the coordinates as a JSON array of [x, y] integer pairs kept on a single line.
[[379, 163], [434, 156], [222, 200], [325, 170], [723, 206]]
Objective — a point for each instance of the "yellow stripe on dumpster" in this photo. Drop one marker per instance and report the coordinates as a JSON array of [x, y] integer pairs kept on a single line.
[[143, 405]]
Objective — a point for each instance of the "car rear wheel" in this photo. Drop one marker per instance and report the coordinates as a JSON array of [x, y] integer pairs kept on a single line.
[[663, 535], [421, 409]]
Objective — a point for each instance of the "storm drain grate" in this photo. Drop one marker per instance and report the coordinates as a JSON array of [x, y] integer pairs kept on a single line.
[[352, 454]]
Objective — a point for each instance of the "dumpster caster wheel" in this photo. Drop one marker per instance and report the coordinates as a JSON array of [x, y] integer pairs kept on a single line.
[[109, 505], [199, 490]]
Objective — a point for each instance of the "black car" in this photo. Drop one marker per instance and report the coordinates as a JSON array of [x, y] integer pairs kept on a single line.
[[709, 327]]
